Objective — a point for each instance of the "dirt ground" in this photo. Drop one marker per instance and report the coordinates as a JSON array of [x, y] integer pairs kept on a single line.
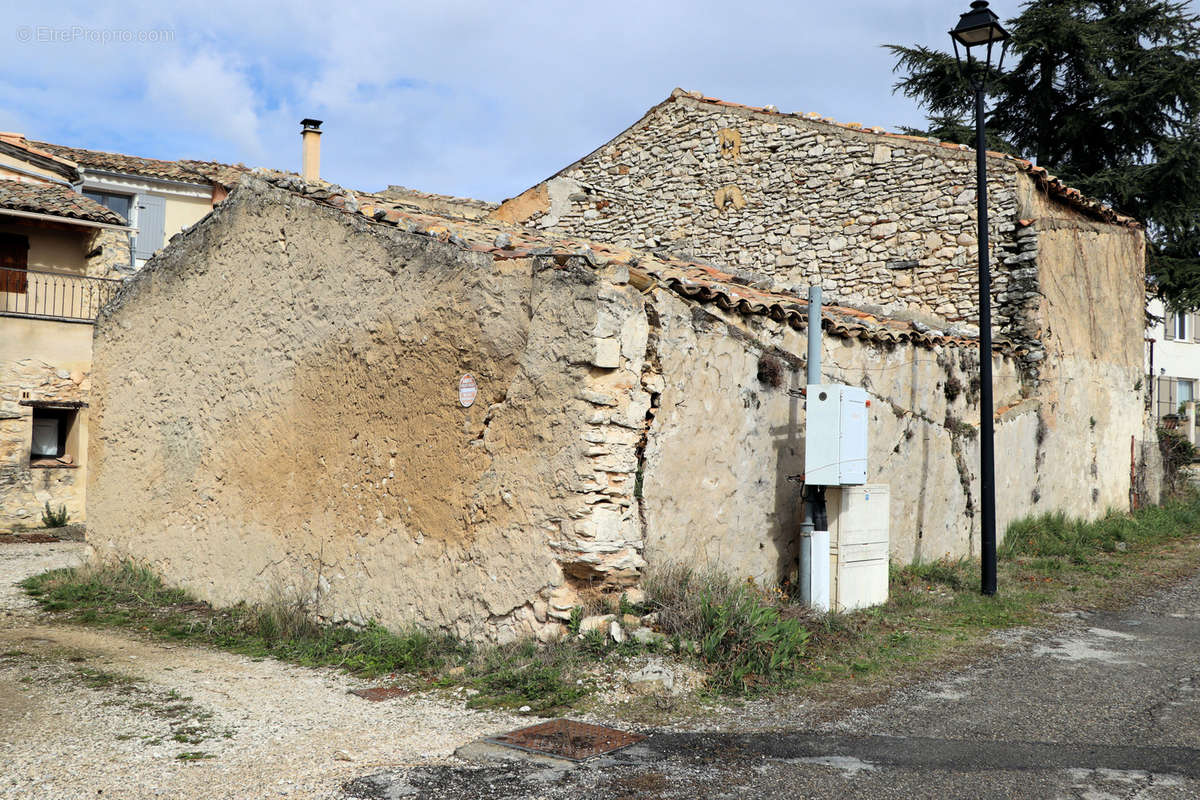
[[97, 713]]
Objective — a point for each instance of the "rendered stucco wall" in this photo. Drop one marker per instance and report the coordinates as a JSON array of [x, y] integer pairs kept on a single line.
[[726, 449], [276, 409], [1093, 391]]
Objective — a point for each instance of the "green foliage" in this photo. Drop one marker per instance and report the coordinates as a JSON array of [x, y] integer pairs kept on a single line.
[[959, 574], [55, 518], [575, 621], [523, 674], [1104, 94], [747, 644], [744, 640], [1058, 536], [130, 594], [1177, 453]]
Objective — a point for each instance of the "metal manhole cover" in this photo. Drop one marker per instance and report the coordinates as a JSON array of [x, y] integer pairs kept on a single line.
[[564, 738], [378, 693]]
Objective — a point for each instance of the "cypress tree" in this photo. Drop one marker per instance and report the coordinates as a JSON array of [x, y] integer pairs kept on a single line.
[[1106, 95]]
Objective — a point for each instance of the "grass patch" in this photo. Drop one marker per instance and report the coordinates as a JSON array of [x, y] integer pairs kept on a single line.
[[129, 595], [741, 635], [746, 640]]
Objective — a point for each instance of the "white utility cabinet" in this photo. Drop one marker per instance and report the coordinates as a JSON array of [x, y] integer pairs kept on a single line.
[[858, 545], [835, 435]]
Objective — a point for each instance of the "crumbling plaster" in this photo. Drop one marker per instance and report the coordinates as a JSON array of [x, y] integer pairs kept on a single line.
[[276, 408]]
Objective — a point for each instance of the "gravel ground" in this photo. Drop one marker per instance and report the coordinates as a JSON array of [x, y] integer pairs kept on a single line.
[[97, 713]]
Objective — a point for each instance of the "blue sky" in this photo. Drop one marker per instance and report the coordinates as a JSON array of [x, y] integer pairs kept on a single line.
[[468, 97]]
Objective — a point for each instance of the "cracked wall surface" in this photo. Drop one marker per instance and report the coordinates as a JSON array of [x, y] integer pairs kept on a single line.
[[276, 409]]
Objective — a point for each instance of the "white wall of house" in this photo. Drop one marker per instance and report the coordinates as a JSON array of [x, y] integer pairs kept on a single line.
[[1173, 358], [158, 209]]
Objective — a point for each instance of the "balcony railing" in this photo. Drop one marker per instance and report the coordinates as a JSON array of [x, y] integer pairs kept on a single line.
[[53, 295]]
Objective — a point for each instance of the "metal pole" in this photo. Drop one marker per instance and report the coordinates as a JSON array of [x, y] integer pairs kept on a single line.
[[808, 498], [987, 472], [814, 335]]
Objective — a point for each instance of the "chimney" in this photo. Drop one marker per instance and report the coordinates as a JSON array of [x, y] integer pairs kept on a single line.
[[310, 162]]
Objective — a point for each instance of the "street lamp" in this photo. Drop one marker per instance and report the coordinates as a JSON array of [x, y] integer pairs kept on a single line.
[[981, 28]]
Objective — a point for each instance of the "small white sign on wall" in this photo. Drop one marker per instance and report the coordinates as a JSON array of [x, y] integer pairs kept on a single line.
[[467, 389]]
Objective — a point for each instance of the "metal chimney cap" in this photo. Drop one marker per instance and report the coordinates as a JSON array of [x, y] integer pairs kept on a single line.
[[311, 124]]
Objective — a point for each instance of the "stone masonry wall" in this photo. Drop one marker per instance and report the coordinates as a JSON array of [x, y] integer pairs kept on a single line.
[[107, 254], [792, 201], [25, 491], [276, 410]]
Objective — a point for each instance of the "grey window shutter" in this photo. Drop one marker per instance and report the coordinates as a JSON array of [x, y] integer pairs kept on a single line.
[[1192, 320], [1169, 325], [151, 219]]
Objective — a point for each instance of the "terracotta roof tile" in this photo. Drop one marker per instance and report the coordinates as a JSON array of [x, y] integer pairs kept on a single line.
[[55, 199], [700, 282], [19, 140], [186, 170]]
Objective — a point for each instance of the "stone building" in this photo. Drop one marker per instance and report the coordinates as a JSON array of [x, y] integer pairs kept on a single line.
[[786, 200], [56, 251], [66, 242], [462, 423]]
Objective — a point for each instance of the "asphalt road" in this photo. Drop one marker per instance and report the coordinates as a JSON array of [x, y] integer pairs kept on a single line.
[[1108, 707]]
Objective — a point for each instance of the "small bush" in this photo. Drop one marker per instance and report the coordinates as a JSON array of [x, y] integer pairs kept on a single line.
[[1177, 453], [55, 518], [743, 639]]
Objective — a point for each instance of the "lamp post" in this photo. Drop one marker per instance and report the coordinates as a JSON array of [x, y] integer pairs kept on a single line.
[[980, 28]]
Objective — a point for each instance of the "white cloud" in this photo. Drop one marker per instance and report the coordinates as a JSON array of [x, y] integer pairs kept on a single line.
[[209, 97], [461, 96]]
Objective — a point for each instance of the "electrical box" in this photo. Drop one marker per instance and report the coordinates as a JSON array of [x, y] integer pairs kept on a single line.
[[835, 435], [858, 545]]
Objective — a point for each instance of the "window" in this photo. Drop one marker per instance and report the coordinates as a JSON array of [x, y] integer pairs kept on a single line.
[[1185, 391], [55, 440], [120, 203], [14, 261], [1179, 325]]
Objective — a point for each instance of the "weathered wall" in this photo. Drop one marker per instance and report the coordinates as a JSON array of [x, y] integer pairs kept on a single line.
[[726, 449], [45, 360], [276, 405], [1091, 280], [873, 219], [107, 254]]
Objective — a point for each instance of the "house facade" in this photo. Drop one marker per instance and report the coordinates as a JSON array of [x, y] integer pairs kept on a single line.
[[56, 248], [159, 198], [73, 224], [1173, 367]]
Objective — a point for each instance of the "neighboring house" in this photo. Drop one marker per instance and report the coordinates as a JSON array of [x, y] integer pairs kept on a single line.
[[66, 240], [469, 424], [159, 198], [55, 250], [1173, 366]]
